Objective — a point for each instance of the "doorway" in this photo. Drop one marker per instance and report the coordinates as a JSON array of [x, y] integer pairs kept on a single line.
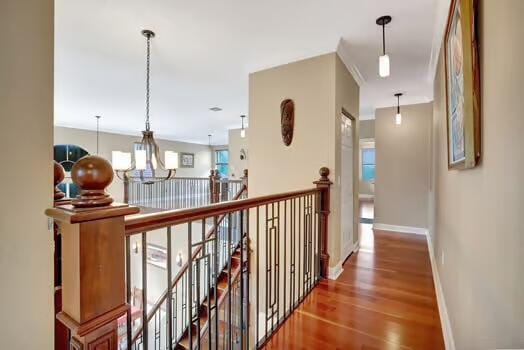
[[346, 184]]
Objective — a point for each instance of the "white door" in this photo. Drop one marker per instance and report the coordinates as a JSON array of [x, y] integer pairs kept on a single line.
[[346, 187]]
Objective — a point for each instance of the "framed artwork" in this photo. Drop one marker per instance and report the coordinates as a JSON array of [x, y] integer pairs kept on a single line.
[[187, 160], [462, 85], [157, 255]]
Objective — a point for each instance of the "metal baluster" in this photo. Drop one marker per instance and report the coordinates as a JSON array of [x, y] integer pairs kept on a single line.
[[145, 325], [129, 334], [230, 226], [189, 304], [169, 289], [215, 279], [258, 274], [241, 303]]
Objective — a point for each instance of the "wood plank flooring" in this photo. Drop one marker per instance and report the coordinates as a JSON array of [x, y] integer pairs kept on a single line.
[[384, 299]]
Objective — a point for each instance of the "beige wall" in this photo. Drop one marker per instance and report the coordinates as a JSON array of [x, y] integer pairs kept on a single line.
[[117, 142], [235, 144], [367, 129], [26, 112], [477, 220], [402, 170], [313, 85]]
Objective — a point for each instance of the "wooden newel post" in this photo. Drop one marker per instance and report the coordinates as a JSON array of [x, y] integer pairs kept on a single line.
[[245, 179], [323, 184], [93, 258], [215, 189]]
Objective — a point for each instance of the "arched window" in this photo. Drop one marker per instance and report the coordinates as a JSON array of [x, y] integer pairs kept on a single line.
[[67, 156]]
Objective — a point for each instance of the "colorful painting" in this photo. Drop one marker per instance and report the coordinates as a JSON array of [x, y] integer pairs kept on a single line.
[[462, 85], [455, 71]]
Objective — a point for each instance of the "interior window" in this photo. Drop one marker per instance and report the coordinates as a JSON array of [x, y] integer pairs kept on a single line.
[[222, 162], [368, 164]]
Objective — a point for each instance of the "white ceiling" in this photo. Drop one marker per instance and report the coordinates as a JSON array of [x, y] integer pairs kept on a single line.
[[205, 49]]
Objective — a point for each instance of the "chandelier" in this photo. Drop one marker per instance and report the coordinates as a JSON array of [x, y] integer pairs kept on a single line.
[[146, 161]]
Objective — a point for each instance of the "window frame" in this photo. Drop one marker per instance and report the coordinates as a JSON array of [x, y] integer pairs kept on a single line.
[[366, 144], [217, 163]]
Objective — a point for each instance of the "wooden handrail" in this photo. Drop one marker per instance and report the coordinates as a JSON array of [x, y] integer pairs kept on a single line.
[[147, 222], [184, 268]]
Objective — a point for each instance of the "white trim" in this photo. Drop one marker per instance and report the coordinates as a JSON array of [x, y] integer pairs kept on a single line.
[[403, 229], [348, 249], [366, 196], [335, 271], [356, 246], [366, 117], [443, 310], [345, 57]]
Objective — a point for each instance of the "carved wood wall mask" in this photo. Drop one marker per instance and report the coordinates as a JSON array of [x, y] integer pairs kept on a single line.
[[287, 120]]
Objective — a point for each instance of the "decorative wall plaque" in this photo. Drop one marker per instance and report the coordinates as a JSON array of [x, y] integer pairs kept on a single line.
[[287, 120]]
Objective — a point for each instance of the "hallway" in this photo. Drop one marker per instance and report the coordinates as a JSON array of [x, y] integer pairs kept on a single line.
[[384, 299]]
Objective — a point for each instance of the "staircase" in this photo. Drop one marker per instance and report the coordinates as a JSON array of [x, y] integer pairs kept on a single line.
[[219, 300]]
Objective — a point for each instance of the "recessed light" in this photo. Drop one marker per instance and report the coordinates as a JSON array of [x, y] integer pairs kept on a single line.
[[215, 109]]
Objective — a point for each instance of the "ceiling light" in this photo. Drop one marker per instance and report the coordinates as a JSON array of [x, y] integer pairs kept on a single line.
[[243, 130], [383, 61], [215, 109], [398, 116], [147, 158]]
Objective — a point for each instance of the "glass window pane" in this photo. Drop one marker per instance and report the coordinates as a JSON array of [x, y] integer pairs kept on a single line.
[[368, 173], [223, 169], [368, 156], [222, 156]]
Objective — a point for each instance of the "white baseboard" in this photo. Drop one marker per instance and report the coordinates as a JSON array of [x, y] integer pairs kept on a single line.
[[403, 229], [366, 196], [356, 246], [348, 249], [443, 310], [336, 271]]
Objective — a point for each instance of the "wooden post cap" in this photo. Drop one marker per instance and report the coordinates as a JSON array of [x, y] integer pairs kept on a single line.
[[324, 172], [59, 175], [92, 174], [245, 172]]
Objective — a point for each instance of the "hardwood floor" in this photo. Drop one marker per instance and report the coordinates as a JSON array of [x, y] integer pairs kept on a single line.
[[384, 299]]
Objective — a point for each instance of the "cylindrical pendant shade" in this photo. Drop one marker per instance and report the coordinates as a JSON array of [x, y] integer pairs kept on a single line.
[[383, 66], [171, 160], [140, 159]]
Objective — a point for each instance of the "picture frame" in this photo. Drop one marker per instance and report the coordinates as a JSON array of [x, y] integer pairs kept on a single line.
[[187, 160], [463, 94], [157, 256]]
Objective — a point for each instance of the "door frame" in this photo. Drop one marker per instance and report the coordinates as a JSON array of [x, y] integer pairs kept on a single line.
[[355, 148]]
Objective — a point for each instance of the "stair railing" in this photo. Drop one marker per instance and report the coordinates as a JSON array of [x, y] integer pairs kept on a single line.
[[275, 245], [180, 192]]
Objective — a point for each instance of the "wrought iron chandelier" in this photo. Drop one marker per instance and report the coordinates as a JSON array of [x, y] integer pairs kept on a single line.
[[147, 160]]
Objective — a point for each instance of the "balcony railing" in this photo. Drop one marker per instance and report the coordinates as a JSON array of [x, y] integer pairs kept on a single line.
[[245, 265], [181, 192]]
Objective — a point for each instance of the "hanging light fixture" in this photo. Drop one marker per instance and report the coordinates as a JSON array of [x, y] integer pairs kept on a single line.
[[398, 116], [383, 61], [147, 159], [243, 130], [209, 136], [97, 132]]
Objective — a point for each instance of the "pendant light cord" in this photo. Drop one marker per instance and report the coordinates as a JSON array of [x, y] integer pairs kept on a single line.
[[398, 104], [148, 70], [97, 132], [383, 39]]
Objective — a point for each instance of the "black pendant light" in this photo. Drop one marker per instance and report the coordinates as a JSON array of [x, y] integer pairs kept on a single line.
[[383, 61], [398, 116]]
